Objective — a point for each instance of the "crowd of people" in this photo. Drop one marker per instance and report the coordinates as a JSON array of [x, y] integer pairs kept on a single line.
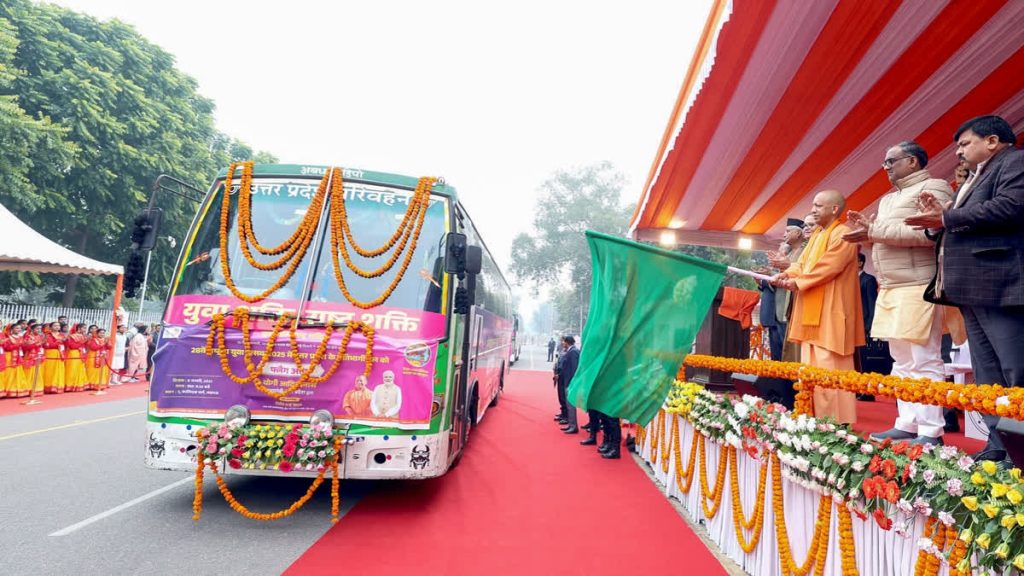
[[948, 260], [61, 356]]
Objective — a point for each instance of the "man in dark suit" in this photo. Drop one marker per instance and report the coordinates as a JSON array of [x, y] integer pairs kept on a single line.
[[868, 293], [551, 350], [981, 255], [570, 361]]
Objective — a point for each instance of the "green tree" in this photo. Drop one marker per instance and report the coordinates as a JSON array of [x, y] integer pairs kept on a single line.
[[743, 259], [556, 253], [125, 115]]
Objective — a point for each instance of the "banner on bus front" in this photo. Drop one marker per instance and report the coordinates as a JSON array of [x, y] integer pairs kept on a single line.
[[398, 392]]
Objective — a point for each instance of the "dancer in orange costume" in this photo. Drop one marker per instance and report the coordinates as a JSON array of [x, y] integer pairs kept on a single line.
[[75, 379], [53, 359], [97, 361]]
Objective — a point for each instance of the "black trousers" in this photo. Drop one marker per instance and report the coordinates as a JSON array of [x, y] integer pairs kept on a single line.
[[612, 430], [996, 338], [776, 338], [560, 390]]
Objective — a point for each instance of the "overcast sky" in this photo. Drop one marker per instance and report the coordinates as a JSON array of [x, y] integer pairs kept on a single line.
[[494, 97]]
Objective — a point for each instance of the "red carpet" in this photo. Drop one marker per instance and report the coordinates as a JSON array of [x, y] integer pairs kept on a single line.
[[11, 406], [526, 499], [881, 414]]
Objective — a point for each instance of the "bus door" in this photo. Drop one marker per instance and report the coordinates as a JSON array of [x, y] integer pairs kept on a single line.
[[474, 362], [459, 429]]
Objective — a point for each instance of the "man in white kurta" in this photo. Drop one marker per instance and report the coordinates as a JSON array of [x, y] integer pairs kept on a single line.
[[904, 261], [387, 397]]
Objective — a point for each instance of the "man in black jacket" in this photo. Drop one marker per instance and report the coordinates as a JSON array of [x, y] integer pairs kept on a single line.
[[570, 360], [981, 255]]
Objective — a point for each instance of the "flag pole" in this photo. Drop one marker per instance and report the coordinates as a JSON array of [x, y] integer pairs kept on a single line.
[[750, 274]]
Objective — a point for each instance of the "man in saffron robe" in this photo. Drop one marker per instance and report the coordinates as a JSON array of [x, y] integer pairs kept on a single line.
[[357, 400], [827, 320]]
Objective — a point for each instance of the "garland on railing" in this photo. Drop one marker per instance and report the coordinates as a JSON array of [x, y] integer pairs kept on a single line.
[[892, 482], [991, 399]]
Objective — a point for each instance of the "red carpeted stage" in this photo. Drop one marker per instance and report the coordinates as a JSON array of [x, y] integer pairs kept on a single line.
[[526, 499]]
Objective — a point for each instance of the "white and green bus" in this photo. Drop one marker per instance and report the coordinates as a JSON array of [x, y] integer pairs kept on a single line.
[[308, 299]]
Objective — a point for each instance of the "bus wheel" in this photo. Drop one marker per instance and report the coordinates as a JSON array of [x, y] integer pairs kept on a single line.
[[474, 402]]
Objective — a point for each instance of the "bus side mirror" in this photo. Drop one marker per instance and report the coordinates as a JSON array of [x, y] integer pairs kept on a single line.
[[474, 259], [455, 254]]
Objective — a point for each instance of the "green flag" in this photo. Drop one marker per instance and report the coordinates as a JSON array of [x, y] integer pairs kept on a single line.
[[646, 306]]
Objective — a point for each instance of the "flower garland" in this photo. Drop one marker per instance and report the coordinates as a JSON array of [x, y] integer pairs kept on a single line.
[[211, 438], [846, 543], [818, 550], [684, 476], [335, 498], [341, 235], [894, 483], [294, 248], [658, 436], [197, 499], [241, 320], [709, 495], [992, 399], [756, 521]]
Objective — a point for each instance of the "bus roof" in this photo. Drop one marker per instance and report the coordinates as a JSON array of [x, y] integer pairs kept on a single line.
[[366, 176]]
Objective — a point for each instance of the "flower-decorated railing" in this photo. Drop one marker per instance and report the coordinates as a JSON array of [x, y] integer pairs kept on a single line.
[[877, 508], [983, 398]]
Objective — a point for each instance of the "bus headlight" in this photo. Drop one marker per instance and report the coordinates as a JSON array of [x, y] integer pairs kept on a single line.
[[322, 419], [236, 416]]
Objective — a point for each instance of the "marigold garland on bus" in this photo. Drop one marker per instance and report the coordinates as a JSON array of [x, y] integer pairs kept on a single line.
[[419, 202], [294, 248], [241, 320]]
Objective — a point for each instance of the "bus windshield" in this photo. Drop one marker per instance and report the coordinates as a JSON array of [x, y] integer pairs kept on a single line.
[[278, 205]]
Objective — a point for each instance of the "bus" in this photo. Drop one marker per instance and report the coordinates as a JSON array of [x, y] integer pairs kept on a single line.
[[363, 305]]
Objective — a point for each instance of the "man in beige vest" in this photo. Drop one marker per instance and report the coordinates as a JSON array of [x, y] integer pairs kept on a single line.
[[827, 319], [904, 263]]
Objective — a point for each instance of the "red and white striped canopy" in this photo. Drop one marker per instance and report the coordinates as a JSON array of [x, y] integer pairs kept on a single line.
[[785, 98]]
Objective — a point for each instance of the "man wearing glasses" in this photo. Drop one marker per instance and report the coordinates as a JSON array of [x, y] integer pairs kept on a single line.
[[980, 251], [904, 263]]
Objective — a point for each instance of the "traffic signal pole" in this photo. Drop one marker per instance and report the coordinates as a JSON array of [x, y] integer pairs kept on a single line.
[[145, 278]]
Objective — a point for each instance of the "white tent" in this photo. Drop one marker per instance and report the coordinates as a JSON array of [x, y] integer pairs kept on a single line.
[[22, 248]]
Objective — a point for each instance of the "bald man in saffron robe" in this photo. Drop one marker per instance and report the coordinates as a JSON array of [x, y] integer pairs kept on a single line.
[[827, 321]]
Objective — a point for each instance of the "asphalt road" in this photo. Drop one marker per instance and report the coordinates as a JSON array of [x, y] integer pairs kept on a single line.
[[75, 498], [533, 358]]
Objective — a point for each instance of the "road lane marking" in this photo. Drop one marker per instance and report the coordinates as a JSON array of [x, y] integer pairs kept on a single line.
[[125, 506], [72, 425]]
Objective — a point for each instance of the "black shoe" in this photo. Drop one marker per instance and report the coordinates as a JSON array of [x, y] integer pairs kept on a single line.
[[604, 447], [613, 455], [571, 430], [589, 427], [559, 417], [562, 422], [989, 453], [588, 441]]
